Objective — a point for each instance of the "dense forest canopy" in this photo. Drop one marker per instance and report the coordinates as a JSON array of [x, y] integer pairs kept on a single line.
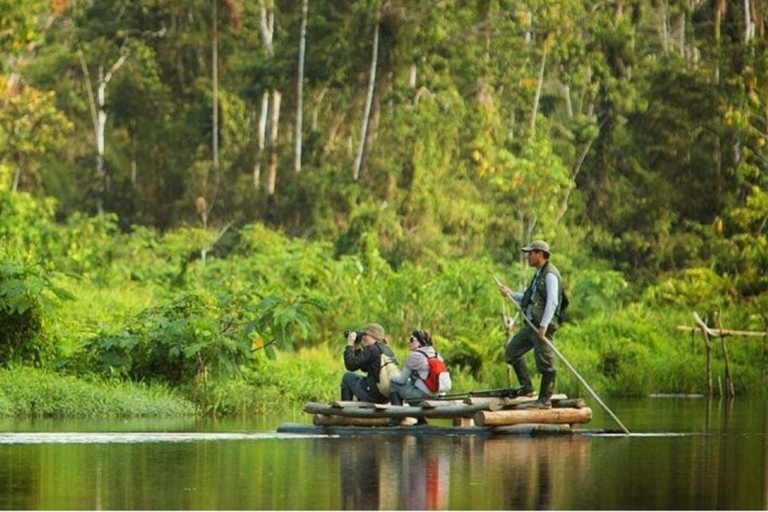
[[208, 177], [440, 125]]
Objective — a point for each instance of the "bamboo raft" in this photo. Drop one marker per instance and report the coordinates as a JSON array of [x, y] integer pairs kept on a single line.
[[471, 416]]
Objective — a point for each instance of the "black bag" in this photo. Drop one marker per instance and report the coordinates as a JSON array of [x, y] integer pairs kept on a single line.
[[564, 303]]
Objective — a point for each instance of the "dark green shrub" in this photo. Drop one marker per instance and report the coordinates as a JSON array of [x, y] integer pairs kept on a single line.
[[24, 303], [461, 355], [185, 340]]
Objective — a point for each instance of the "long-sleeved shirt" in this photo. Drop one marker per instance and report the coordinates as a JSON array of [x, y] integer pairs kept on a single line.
[[417, 367], [553, 299], [367, 360]]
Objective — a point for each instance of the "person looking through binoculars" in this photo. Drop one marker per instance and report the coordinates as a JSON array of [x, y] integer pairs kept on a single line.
[[363, 352]]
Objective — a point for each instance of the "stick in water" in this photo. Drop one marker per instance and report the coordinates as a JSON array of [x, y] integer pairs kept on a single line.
[[564, 360]]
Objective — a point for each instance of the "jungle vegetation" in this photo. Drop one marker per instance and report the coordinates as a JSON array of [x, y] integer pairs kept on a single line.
[[197, 197]]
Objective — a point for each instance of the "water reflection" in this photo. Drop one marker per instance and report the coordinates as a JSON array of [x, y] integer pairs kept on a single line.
[[683, 455], [529, 468], [417, 473], [407, 474], [425, 478]]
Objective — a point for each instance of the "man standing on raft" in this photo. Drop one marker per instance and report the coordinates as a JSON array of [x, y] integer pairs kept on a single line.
[[541, 304]]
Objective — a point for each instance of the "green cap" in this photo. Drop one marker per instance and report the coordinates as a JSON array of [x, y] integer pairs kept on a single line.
[[537, 245]]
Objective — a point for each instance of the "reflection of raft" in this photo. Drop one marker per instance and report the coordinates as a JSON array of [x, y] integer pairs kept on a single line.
[[471, 416]]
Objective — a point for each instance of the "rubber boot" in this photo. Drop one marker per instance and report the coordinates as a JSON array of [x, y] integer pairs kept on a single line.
[[545, 392], [526, 386]]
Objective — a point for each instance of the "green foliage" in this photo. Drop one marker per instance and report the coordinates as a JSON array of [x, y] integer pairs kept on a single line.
[[595, 292], [461, 356], [643, 168], [277, 384], [26, 295], [177, 343], [21, 21], [285, 320], [41, 393], [26, 223], [694, 288]]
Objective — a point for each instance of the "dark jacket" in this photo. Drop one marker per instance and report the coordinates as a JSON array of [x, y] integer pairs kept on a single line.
[[367, 360]]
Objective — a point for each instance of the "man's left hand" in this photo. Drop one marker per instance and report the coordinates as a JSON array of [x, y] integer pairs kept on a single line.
[[542, 332]]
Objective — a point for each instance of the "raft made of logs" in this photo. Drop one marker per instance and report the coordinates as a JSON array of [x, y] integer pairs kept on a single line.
[[473, 415]]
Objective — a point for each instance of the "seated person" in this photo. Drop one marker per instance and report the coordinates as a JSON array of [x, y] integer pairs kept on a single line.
[[409, 384], [366, 358]]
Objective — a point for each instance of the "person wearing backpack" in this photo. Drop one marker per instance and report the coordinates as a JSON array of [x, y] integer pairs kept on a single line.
[[367, 358], [423, 372], [541, 302]]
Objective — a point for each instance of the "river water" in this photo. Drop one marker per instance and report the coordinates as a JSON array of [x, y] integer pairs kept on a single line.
[[683, 454]]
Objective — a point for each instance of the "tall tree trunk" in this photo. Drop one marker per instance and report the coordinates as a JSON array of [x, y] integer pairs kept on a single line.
[[100, 131], [572, 184], [373, 124], [273, 126], [369, 99], [749, 27], [567, 98], [719, 12], [316, 108], [261, 137], [682, 34], [215, 78], [101, 118], [539, 86], [300, 88], [134, 164], [267, 31]]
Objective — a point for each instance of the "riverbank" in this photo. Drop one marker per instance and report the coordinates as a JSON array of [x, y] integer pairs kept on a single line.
[[279, 384], [30, 392]]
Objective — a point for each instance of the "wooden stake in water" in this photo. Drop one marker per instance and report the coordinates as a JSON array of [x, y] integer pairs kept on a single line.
[[564, 360]]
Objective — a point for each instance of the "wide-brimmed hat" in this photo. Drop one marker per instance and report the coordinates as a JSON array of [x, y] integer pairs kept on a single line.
[[537, 245], [374, 330]]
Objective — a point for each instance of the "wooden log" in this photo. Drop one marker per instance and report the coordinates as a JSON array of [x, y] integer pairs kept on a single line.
[[500, 402], [396, 411], [334, 420], [360, 412], [518, 416], [723, 332], [454, 411], [528, 429], [513, 403], [431, 404], [352, 403], [474, 400], [463, 422], [570, 403]]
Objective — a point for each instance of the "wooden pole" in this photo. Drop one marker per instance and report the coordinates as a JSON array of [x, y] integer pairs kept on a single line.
[[722, 332], [566, 363], [509, 327], [708, 347], [730, 391]]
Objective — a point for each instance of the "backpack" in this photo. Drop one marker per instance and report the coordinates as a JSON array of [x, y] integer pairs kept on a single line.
[[387, 369], [438, 380], [564, 302]]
